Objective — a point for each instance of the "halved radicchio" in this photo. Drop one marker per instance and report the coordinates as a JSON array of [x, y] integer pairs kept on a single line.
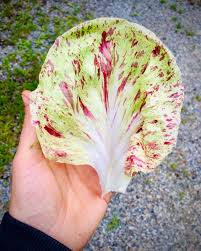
[[110, 96]]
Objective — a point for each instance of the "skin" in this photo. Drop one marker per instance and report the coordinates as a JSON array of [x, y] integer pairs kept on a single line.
[[61, 200]]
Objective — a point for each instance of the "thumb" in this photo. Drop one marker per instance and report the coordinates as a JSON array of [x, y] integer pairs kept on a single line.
[[26, 100], [28, 139]]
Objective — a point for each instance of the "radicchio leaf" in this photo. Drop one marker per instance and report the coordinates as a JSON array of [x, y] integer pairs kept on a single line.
[[110, 96]]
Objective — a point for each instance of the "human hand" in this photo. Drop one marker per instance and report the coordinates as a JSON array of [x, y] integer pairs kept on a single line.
[[61, 200]]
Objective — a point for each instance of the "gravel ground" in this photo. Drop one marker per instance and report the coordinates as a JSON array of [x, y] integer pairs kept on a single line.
[[162, 210]]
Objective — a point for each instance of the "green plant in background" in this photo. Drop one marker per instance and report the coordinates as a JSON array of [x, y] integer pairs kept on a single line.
[[147, 181], [174, 19], [163, 1], [190, 33], [89, 15], [181, 195], [178, 26], [173, 6], [181, 11], [114, 223], [188, 119], [185, 172], [135, 14], [75, 8], [198, 98], [184, 109], [174, 166], [30, 31]]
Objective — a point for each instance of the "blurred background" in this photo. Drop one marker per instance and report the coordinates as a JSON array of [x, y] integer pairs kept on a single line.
[[161, 210]]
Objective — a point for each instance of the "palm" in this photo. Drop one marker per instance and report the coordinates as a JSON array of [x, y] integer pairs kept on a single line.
[[59, 199]]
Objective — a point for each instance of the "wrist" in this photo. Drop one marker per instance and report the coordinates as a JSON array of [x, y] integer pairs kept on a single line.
[[24, 235]]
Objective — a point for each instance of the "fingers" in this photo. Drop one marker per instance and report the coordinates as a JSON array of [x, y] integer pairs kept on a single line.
[[28, 135], [107, 197], [28, 140]]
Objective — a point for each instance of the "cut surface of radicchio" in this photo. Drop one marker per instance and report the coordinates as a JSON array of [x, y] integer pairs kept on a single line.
[[109, 96]]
